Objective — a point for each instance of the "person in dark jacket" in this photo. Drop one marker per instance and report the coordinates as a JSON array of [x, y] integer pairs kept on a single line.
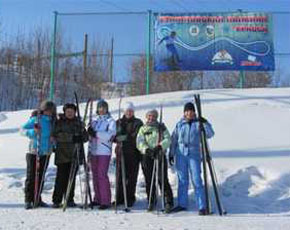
[[68, 132], [127, 130], [38, 129]]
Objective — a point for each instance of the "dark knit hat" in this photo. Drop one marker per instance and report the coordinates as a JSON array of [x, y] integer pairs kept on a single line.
[[69, 106], [48, 105], [102, 103], [189, 106]]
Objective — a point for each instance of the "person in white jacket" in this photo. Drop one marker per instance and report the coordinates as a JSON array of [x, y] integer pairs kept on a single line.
[[102, 132]]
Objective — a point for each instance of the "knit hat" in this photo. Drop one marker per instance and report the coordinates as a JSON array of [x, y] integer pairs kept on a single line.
[[154, 112], [128, 106], [69, 106], [48, 105], [189, 106], [102, 103]]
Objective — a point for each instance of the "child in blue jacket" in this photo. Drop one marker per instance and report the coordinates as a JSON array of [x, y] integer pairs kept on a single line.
[[38, 129]]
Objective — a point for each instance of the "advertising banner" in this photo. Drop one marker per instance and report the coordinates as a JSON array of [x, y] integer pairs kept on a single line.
[[213, 41]]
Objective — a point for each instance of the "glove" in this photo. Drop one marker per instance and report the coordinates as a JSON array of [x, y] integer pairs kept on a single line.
[[92, 132], [150, 153], [36, 128], [157, 149], [77, 139], [202, 120], [171, 160], [121, 138]]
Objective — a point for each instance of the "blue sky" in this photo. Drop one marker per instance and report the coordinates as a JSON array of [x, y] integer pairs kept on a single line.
[[24, 15]]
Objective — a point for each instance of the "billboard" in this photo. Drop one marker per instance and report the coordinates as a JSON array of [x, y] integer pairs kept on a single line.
[[213, 41]]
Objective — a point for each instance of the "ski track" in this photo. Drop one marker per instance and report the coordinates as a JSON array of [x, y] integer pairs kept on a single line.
[[254, 178]]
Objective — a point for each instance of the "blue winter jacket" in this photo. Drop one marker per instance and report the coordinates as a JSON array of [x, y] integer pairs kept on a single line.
[[185, 139], [45, 127]]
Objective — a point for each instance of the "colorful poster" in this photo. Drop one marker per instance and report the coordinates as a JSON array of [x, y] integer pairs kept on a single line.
[[213, 41]]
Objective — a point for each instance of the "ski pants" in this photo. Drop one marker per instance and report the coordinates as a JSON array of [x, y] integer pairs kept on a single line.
[[30, 176], [132, 163], [100, 167], [61, 183], [147, 167], [184, 166]]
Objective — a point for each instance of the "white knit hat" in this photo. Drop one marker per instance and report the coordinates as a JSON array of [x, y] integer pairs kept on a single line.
[[154, 112], [128, 106]]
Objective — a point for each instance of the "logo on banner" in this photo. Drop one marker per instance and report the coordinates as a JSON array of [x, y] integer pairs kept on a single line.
[[222, 57], [209, 31], [252, 61], [194, 30]]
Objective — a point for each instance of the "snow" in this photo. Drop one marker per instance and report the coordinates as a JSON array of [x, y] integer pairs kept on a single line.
[[251, 154]]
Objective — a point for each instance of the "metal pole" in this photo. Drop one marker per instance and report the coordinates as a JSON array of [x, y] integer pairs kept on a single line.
[[148, 52], [242, 79], [52, 58], [85, 58], [112, 59]]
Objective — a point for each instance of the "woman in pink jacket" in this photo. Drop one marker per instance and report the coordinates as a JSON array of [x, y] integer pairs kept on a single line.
[[102, 132]]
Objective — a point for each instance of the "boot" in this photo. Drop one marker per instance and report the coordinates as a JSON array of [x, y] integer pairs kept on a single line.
[[178, 209], [28, 205], [203, 212], [168, 208]]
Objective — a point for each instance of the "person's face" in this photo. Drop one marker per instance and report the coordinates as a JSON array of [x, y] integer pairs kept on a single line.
[[189, 115], [129, 113], [150, 118], [69, 113], [102, 111], [47, 112]]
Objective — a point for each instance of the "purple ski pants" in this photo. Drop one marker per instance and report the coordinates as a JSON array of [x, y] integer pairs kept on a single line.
[[100, 167]]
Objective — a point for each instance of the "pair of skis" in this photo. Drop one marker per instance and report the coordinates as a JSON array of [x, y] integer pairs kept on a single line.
[[155, 173], [120, 162], [76, 162], [38, 182], [207, 161]]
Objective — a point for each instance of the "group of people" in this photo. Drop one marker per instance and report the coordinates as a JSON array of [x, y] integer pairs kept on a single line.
[[140, 143]]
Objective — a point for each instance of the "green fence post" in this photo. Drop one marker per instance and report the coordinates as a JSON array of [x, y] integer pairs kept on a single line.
[[148, 52], [52, 58], [242, 79]]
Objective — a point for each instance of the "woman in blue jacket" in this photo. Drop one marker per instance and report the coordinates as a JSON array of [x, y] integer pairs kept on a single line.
[[38, 129], [185, 147]]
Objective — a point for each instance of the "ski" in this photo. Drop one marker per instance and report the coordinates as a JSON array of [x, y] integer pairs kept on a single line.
[[37, 160], [205, 179], [86, 163], [208, 160], [120, 162], [79, 150]]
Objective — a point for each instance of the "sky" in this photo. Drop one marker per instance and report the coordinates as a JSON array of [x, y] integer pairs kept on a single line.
[[18, 16]]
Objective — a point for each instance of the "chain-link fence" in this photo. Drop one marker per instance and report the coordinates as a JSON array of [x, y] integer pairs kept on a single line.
[[104, 54]]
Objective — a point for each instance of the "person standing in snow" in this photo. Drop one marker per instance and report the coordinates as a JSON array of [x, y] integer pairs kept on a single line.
[[128, 127], [150, 147], [185, 148], [39, 125], [68, 132], [102, 132]]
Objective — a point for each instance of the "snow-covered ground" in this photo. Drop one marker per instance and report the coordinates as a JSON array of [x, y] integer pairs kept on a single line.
[[251, 153]]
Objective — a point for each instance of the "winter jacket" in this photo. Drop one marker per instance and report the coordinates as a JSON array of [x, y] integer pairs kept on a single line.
[[27, 129], [63, 133], [148, 137], [185, 138], [127, 132], [105, 127]]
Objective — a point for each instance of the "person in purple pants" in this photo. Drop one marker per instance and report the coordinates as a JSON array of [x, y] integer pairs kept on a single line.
[[102, 132]]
